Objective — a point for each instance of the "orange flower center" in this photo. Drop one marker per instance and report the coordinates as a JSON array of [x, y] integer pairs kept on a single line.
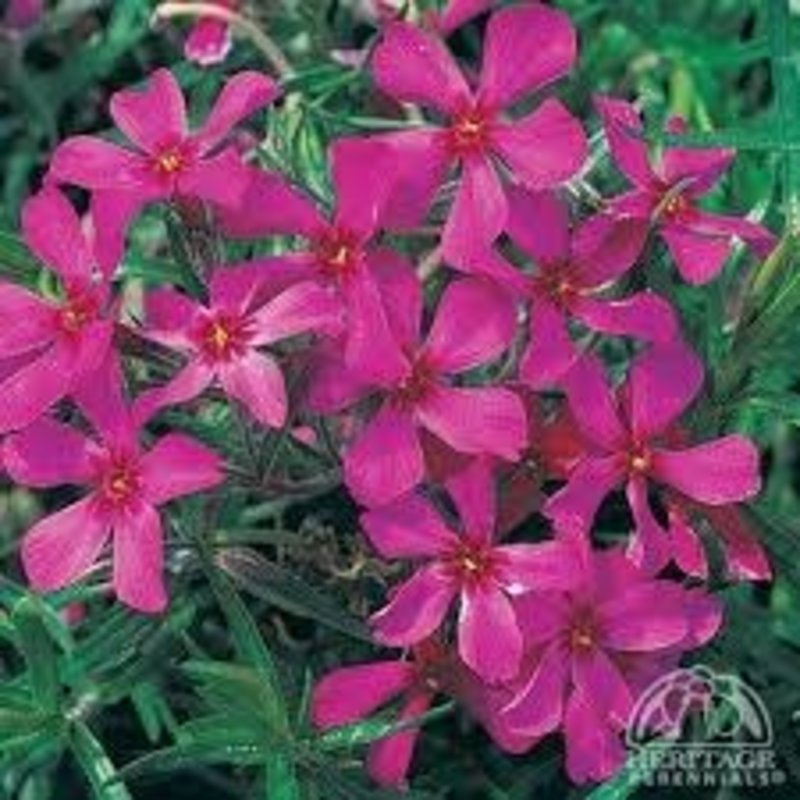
[[121, 481], [339, 254], [76, 313], [417, 385], [470, 133], [169, 162], [675, 206], [223, 336]]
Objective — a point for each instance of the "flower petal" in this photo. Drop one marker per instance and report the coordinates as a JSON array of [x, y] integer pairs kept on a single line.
[[26, 321], [572, 509], [153, 117], [539, 223], [96, 164], [595, 675], [547, 565], [47, 453], [537, 709], [408, 528], [456, 347], [459, 12], [59, 549], [139, 560], [722, 471], [243, 95], [687, 547], [53, 231], [389, 759], [472, 490], [256, 381], [699, 168], [644, 316], [188, 384], [222, 180], [593, 405], [34, 388], [168, 310], [303, 308], [349, 694], [545, 148], [649, 547], [421, 165], [663, 381], [699, 255], [208, 43], [650, 616], [623, 128], [177, 466], [480, 420], [605, 248], [478, 215], [112, 213], [416, 609], [745, 556], [526, 47], [385, 460], [489, 638], [413, 66], [550, 353]]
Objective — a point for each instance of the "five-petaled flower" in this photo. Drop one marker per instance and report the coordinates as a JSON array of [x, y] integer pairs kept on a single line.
[[467, 564], [630, 443], [665, 195], [127, 483], [526, 48]]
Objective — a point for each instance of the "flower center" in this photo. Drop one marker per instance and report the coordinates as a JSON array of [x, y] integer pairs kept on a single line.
[[417, 385], [77, 313], [169, 162], [470, 133], [223, 336], [120, 481], [472, 562], [555, 283], [339, 253], [639, 459], [582, 631], [675, 206]]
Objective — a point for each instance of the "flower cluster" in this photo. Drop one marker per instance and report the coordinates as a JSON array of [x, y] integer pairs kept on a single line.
[[461, 398]]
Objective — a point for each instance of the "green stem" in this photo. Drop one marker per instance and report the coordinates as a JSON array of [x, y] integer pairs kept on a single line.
[[96, 765]]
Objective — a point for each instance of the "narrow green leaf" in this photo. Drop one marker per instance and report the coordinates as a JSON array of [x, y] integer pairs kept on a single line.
[[96, 765], [39, 652]]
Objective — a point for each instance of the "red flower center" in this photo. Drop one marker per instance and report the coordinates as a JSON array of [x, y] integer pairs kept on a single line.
[[555, 283], [120, 481], [675, 206], [472, 562], [470, 133], [339, 254], [223, 336], [77, 312], [417, 385]]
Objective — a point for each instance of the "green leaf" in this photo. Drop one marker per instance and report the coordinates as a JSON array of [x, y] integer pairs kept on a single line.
[[264, 579], [96, 765], [39, 652]]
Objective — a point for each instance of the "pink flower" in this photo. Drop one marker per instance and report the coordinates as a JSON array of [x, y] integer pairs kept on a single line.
[[209, 41], [167, 161], [573, 272], [223, 340], [665, 194], [351, 694], [52, 344], [629, 443], [126, 485], [21, 14], [341, 253], [592, 650], [527, 47], [467, 565], [415, 391]]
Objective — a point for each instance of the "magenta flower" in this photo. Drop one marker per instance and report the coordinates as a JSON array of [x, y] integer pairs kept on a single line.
[[209, 41], [223, 340], [52, 343], [341, 253], [167, 161], [416, 390], [351, 694], [573, 272], [630, 444], [666, 195], [527, 47], [591, 651], [467, 565], [126, 486], [21, 14]]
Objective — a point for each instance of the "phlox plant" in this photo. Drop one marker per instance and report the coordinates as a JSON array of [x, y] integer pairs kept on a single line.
[[385, 406]]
